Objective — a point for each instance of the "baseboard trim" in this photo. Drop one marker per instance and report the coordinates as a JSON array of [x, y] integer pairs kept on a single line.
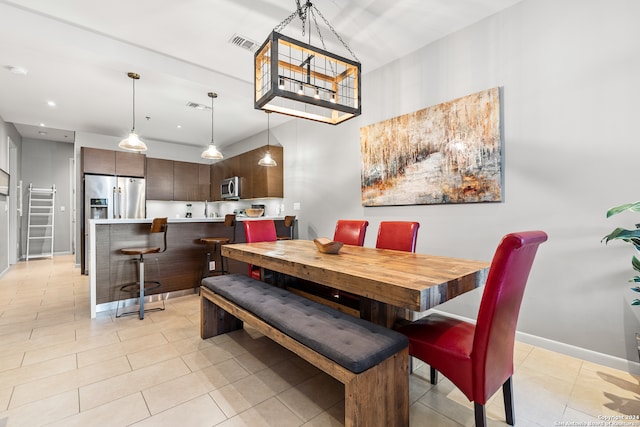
[[568, 349], [23, 257], [581, 353]]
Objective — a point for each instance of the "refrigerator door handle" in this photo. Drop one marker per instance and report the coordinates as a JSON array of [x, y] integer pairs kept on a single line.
[[119, 202], [115, 203]]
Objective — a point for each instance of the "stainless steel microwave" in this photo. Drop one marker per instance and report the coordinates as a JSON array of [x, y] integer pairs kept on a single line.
[[230, 188]]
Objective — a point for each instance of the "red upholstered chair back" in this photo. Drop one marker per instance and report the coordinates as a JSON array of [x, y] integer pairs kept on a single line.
[[263, 230], [350, 232], [498, 314], [398, 235]]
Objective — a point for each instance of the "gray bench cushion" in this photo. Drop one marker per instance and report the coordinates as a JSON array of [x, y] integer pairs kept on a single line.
[[353, 343]]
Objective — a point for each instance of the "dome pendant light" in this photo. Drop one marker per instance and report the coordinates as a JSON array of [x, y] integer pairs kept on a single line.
[[267, 160], [212, 152], [133, 142]]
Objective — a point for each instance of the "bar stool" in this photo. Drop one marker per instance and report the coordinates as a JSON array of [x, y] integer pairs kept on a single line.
[[159, 225], [289, 220], [215, 243]]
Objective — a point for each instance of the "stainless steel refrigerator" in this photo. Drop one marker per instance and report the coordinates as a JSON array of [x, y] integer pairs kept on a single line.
[[110, 197]]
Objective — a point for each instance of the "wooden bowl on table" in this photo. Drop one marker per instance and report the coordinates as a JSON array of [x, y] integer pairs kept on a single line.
[[327, 246]]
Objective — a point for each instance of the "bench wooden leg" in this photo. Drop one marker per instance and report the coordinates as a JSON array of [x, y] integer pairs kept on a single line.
[[379, 397], [214, 320]]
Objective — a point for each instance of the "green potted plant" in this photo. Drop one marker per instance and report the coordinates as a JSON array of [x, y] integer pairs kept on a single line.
[[629, 236]]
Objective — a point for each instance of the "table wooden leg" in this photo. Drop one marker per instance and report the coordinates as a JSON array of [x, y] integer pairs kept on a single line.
[[379, 312]]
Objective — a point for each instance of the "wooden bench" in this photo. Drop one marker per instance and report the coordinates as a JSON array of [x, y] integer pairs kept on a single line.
[[370, 360]]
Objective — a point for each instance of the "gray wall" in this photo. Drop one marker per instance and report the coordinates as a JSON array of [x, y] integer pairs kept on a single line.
[[45, 163], [569, 72]]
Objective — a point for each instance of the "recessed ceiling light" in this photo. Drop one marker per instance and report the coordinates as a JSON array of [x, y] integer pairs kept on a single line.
[[42, 124], [18, 70], [42, 132], [51, 103], [179, 126]]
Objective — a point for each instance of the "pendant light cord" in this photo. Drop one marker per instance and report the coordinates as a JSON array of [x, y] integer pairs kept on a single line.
[[134, 105], [212, 98]]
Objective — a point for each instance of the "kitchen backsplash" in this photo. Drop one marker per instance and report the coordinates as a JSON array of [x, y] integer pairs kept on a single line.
[[157, 208]]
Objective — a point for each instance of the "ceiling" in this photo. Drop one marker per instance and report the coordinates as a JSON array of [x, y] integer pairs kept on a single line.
[[77, 53]]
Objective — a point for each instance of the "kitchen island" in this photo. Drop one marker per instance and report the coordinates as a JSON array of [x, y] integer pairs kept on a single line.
[[179, 269]]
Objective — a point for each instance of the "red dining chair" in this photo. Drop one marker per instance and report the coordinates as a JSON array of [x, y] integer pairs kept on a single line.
[[350, 232], [478, 358], [263, 230], [398, 235]]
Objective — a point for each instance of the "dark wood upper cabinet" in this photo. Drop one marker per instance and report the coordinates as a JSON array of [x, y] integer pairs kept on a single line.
[[175, 180], [130, 164], [159, 179], [265, 181], [98, 161], [110, 162], [185, 181], [204, 182], [255, 181], [218, 171], [246, 166]]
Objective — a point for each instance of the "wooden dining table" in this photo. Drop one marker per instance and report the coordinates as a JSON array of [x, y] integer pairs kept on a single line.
[[388, 282]]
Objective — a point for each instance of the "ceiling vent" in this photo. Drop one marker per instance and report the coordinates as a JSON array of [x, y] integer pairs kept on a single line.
[[244, 42], [197, 106]]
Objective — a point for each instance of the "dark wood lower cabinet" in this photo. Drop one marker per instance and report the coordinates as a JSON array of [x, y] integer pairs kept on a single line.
[[179, 268]]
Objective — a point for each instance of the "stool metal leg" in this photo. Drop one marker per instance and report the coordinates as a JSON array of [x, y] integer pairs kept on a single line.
[[140, 291], [141, 287]]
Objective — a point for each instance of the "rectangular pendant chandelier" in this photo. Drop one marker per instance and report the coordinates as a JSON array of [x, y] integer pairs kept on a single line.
[[300, 80]]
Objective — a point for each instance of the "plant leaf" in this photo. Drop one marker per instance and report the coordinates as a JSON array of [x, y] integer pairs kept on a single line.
[[636, 289], [635, 302], [635, 279], [619, 233], [634, 207], [635, 262]]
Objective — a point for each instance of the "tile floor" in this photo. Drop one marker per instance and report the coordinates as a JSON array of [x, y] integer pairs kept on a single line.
[[60, 368]]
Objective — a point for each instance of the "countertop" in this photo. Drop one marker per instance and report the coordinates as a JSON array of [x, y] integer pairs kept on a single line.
[[178, 220]]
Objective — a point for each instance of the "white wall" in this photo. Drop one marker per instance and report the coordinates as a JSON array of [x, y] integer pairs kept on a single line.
[[569, 72], [7, 130]]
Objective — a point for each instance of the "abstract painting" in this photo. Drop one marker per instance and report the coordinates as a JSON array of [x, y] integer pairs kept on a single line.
[[447, 153]]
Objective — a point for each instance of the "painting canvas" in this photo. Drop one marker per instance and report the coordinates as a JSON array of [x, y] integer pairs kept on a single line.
[[447, 153]]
